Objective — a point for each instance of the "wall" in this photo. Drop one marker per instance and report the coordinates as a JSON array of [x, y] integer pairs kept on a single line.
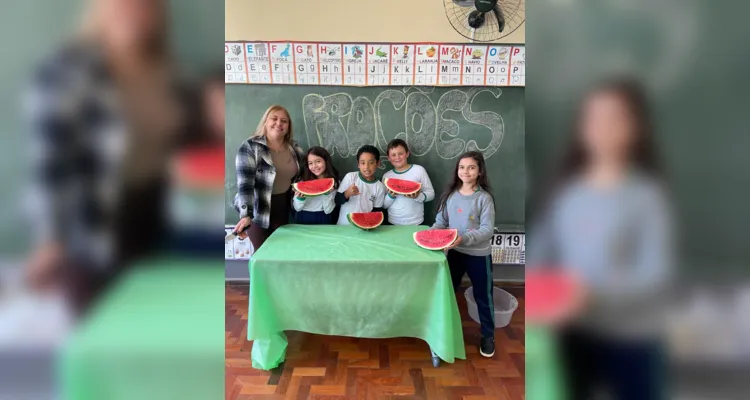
[[342, 20]]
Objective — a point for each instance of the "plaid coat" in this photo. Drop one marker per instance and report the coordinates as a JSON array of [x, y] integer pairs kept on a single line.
[[78, 131], [255, 176]]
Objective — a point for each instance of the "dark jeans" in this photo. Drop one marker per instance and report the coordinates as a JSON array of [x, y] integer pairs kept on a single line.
[[480, 274], [280, 208], [139, 226], [85, 283], [626, 369], [313, 218]]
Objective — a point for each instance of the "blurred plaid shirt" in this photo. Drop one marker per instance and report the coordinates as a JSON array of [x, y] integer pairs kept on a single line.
[[78, 140], [255, 176]]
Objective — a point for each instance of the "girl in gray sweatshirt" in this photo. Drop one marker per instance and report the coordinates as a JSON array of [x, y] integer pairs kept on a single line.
[[469, 207], [608, 222]]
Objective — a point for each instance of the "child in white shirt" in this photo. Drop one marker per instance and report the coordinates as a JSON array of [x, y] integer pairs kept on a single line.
[[361, 189], [406, 210]]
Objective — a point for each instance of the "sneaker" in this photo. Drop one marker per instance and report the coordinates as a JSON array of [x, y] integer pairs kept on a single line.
[[487, 347]]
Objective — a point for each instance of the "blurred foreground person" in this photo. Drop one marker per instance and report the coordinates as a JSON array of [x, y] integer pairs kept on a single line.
[[105, 114], [197, 192], [607, 222]]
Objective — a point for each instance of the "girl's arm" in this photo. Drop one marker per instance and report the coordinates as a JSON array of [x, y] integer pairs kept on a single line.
[[246, 165], [428, 192], [541, 238], [441, 222], [298, 203], [330, 202], [486, 224], [540, 242]]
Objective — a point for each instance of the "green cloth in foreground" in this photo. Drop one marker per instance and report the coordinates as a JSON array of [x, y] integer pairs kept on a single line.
[[543, 374], [340, 280], [157, 334]]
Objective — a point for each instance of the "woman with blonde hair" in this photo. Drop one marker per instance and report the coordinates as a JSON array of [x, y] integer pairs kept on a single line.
[[106, 113], [267, 163]]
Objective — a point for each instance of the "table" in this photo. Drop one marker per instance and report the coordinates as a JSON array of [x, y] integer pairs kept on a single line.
[[157, 334], [543, 374], [341, 280]]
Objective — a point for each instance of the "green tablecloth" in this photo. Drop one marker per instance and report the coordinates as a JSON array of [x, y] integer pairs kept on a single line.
[[543, 374], [157, 334], [340, 280]]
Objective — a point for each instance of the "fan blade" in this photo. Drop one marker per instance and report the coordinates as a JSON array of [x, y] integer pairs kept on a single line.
[[499, 16], [476, 19], [464, 3]]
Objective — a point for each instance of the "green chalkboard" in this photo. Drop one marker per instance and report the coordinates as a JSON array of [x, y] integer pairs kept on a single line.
[[437, 123]]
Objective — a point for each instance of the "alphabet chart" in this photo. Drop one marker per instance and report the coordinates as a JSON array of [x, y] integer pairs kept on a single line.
[[282, 63], [354, 64], [518, 67], [451, 65], [402, 64], [426, 64], [258, 62], [331, 63], [474, 65], [306, 63], [378, 64], [374, 64], [236, 69], [498, 65]]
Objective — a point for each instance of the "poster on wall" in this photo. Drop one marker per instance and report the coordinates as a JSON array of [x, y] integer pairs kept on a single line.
[[374, 64], [258, 63]]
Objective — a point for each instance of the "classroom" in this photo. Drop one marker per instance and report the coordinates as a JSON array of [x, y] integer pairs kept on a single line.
[[350, 79]]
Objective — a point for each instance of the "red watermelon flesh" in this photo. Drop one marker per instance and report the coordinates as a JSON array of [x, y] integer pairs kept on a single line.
[[435, 239], [201, 167], [550, 295], [314, 187], [366, 220], [401, 186]]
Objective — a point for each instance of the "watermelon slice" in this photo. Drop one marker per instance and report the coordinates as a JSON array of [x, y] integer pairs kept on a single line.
[[315, 187], [435, 239], [201, 168], [366, 220], [401, 186], [551, 296]]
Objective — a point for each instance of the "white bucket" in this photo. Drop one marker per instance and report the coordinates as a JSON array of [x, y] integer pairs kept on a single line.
[[505, 304]]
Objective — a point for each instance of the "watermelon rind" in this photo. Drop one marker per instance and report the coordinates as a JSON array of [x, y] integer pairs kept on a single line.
[[441, 247], [402, 192], [307, 191], [366, 228]]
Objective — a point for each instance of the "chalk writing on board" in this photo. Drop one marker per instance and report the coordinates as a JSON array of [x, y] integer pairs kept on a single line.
[[342, 124]]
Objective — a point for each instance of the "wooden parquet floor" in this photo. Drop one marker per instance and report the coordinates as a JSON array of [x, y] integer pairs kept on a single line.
[[333, 367]]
